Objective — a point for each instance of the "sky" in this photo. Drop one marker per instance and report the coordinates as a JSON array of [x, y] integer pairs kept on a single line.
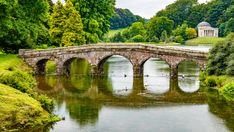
[[144, 8]]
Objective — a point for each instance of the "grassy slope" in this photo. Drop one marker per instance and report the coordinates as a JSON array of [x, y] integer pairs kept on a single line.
[[203, 41], [111, 33], [17, 109]]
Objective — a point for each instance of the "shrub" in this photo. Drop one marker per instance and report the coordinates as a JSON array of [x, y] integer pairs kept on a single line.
[[213, 81], [179, 39], [138, 38], [153, 39], [46, 103], [228, 91], [19, 80]]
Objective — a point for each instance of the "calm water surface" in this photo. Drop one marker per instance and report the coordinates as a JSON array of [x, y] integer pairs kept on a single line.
[[121, 103]]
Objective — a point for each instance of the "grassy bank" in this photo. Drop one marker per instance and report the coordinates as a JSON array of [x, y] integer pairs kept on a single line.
[[203, 41], [19, 111], [20, 106]]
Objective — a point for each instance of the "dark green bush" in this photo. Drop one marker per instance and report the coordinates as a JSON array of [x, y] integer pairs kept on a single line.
[[213, 81]]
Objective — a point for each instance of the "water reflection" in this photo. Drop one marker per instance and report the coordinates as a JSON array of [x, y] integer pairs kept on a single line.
[[123, 103], [156, 76], [188, 73]]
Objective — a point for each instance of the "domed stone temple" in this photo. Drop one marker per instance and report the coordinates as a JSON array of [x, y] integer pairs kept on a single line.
[[205, 30]]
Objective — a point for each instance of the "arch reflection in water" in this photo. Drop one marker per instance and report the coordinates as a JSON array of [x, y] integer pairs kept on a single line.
[[188, 75], [119, 72], [156, 76]]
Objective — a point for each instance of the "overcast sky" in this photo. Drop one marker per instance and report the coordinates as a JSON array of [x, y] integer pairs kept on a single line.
[[144, 8]]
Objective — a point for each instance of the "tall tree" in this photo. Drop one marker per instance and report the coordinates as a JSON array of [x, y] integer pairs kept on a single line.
[[216, 12], [22, 23], [95, 13], [157, 25], [66, 26], [197, 14]]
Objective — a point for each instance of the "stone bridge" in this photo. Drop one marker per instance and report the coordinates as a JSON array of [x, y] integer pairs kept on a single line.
[[97, 54]]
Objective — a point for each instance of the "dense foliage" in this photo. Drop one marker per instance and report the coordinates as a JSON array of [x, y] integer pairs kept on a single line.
[[22, 24], [221, 58], [219, 13], [95, 16], [66, 26], [123, 18], [178, 11], [158, 25]]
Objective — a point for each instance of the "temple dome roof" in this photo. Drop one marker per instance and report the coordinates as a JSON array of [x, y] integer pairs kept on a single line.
[[203, 24]]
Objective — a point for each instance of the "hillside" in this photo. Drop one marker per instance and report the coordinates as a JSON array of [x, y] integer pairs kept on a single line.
[[123, 18]]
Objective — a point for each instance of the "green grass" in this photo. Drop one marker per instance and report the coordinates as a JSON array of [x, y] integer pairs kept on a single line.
[[111, 33], [203, 41], [18, 110], [20, 106]]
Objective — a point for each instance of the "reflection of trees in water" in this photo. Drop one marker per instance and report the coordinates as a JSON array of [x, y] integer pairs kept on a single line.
[[221, 108], [83, 111]]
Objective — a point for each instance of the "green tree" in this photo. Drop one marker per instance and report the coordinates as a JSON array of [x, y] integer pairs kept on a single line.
[[97, 13], [66, 26], [164, 37], [157, 25], [191, 33], [123, 18], [22, 23], [221, 58], [178, 11], [137, 28], [181, 31], [216, 12], [138, 38], [229, 26], [197, 14]]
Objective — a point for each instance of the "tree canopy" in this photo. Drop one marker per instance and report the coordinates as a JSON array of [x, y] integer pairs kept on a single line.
[[157, 25], [123, 18], [66, 26], [95, 16], [22, 24], [221, 56]]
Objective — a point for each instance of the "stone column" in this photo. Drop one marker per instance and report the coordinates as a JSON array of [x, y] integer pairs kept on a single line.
[[95, 71], [173, 71], [137, 71], [59, 70]]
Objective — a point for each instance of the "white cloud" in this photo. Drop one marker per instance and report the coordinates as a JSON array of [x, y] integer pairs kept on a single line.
[[144, 8]]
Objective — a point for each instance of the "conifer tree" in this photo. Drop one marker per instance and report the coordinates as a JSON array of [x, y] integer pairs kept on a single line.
[[66, 26]]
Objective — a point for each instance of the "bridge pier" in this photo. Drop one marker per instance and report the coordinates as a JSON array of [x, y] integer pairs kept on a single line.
[[138, 71], [96, 71], [174, 72]]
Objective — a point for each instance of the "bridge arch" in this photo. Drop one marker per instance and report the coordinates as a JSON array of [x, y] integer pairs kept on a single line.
[[104, 59], [41, 65], [201, 65], [142, 63], [188, 74], [66, 64]]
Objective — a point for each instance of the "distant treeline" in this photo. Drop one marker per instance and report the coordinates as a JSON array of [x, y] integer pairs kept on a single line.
[[219, 13], [178, 22], [123, 18]]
